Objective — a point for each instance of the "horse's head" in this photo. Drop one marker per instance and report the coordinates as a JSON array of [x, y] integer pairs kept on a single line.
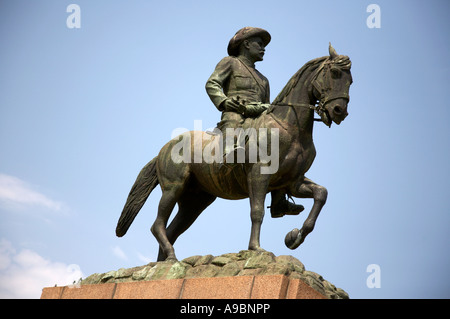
[[331, 87]]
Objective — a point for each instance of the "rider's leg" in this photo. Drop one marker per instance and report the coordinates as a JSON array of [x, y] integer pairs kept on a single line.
[[230, 120]]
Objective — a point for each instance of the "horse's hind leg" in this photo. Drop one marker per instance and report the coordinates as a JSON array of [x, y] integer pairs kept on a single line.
[[190, 205], [166, 205]]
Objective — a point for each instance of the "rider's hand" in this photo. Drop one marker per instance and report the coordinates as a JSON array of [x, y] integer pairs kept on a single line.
[[230, 105]]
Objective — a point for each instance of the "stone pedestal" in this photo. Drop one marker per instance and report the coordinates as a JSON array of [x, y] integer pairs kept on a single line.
[[243, 275], [238, 287]]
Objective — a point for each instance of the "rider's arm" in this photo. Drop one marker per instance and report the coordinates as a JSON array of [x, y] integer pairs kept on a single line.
[[216, 82]]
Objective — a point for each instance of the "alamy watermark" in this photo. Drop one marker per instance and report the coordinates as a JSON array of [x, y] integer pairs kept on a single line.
[[232, 144], [73, 21], [374, 279], [374, 19]]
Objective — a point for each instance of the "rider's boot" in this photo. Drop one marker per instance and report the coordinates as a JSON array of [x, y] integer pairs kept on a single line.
[[281, 206]]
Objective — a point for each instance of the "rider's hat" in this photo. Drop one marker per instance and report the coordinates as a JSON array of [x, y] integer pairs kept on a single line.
[[245, 33]]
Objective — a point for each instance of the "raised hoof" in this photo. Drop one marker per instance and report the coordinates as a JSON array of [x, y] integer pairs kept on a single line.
[[293, 239]]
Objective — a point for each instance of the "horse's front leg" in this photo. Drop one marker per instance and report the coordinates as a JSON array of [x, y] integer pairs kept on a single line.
[[306, 189], [257, 185]]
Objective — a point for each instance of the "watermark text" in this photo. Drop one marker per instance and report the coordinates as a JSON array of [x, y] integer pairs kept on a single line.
[[235, 145], [374, 19], [73, 21], [374, 279]]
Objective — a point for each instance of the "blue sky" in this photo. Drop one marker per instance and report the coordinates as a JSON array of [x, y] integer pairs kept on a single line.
[[83, 110]]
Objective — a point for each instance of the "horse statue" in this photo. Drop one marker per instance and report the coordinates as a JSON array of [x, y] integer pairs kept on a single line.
[[321, 86]]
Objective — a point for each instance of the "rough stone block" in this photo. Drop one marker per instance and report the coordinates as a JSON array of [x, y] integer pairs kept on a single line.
[[191, 260], [208, 270], [230, 269], [220, 261], [292, 262], [259, 260], [204, 260], [177, 271]]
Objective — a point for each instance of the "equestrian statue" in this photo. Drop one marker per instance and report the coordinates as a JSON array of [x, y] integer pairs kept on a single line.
[[196, 167]]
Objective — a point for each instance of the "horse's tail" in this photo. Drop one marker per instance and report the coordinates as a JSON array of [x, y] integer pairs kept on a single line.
[[146, 181]]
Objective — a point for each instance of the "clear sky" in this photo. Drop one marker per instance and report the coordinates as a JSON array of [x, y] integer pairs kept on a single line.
[[82, 110]]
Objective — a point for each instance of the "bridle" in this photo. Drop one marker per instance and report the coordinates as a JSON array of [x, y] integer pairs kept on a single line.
[[323, 86]]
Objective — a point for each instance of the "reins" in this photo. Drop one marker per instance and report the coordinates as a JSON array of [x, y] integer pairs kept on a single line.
[[315, 108]]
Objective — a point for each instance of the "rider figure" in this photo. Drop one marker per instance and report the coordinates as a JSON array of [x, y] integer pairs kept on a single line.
[[240, 91]]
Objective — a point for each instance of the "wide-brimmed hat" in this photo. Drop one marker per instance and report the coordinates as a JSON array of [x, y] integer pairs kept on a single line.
[[245, 33]]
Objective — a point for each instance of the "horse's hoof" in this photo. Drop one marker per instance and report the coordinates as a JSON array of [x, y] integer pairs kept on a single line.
[[171, 259], [293, 239], [256, 248]]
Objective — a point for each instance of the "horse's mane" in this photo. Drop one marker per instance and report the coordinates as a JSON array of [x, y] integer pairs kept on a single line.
[[313, 64]]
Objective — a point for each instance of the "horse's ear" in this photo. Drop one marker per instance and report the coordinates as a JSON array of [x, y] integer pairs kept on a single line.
[[333, 53]]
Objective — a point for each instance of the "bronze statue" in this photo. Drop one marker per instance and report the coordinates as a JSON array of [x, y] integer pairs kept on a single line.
[[194, 184]]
